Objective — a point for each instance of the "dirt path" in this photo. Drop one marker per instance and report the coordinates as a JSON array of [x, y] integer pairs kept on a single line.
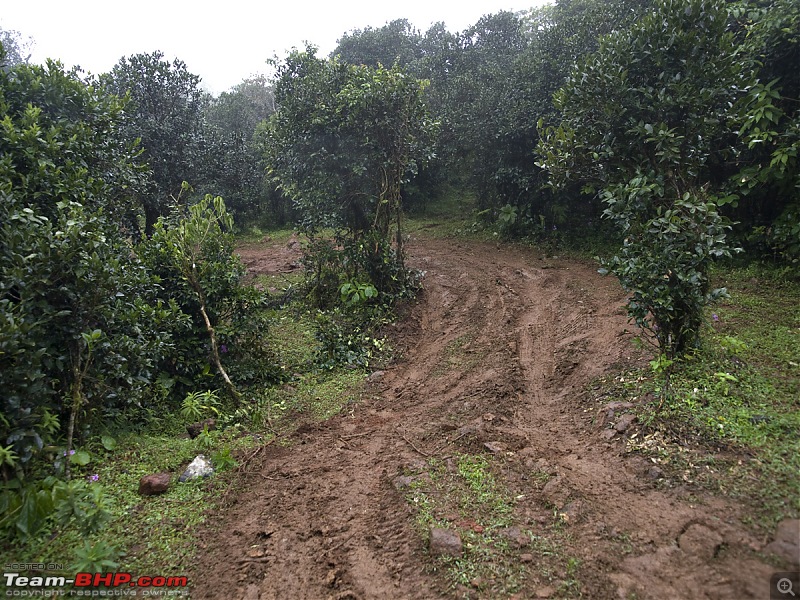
[[501, 346]]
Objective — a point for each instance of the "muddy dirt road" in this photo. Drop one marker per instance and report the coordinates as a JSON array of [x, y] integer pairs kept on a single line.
[[500, 349]]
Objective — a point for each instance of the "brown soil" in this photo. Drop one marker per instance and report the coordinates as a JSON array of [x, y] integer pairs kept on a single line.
[[505, 342]]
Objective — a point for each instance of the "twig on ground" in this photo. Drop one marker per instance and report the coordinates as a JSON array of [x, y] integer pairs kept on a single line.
[[410, 443]]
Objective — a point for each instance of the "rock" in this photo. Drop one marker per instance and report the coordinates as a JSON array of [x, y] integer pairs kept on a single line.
[[700, 542], [515, 535], [444, 542], [495, 447], [556, 492], [786, 544], [624, 423], [375, 376], [152, 485], [526, 558], [416, 465], [403, 482], [655, 473], [571, 512], [608, 434], [199, 467], [607, 412], [618, 406], [196, 429]]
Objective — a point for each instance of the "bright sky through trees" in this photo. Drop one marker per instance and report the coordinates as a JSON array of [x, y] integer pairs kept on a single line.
[[222, 42]]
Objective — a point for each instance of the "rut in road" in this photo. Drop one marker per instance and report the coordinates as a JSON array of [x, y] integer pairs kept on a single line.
[[505, 341]]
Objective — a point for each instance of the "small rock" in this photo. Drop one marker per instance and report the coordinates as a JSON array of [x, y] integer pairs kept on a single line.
[[199, 467], [786, 544], [607, 412], [403, 482], [196, 429], [477, 582], [608, 434], [444, 542], [495, 447], [375, 376], [526, 558], [701, 542], [416, 465], [572, 511], [618, 406], [332, 578], [556, 492], [515, 535], [152, 485], [655, 473], [624, 423]]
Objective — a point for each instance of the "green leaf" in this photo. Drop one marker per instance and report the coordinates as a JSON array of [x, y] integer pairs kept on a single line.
[[81, 457]]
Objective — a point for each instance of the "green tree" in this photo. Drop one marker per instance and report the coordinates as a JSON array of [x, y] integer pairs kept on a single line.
[[14, 50], [769, 125], [165, 113], [344, 140], [647, 120], [78, 317], [234, 168], [397, 42]]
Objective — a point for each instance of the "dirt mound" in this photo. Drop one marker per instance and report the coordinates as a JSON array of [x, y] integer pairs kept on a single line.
[[498, 350]]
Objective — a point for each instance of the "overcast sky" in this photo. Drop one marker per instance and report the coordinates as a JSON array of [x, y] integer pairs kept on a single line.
[[223, 42]]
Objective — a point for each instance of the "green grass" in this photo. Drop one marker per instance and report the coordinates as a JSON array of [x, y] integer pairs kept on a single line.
[[153, 534], [465, 495], [730, 418], [455, 215]]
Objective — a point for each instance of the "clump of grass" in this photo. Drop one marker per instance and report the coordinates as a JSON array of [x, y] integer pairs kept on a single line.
[[463, 494]]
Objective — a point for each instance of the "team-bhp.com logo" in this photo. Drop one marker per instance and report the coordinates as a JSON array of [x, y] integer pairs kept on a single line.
[[93, 584]]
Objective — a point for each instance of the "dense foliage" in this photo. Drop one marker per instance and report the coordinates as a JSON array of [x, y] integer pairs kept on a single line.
[[679, 122], [95, 330], [344, 140], [641, 122], [164, 112]]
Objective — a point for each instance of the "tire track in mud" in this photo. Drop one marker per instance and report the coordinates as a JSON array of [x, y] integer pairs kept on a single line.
[[504, 342]]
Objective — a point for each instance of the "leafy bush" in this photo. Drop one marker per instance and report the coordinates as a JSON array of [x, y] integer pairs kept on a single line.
[[79, 317], [648, 121], [192, 249], [665, 259]]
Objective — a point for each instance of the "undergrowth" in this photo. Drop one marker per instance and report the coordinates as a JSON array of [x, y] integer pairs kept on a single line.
[[159, 534], [728, 416]]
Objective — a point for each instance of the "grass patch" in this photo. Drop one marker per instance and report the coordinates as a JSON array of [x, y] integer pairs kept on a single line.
[[730, 418], [145, 535], [463, 494]]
